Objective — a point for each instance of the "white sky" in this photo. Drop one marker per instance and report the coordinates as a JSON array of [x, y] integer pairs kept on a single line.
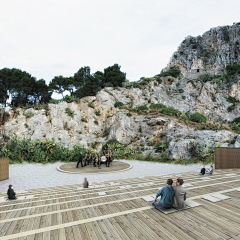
[[49, 38]]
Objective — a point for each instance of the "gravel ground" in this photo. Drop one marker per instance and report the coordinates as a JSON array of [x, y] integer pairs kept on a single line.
[[35, 175]]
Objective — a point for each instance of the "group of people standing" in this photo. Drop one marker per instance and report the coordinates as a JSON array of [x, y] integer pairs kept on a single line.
[[95, 160], [171, 196]]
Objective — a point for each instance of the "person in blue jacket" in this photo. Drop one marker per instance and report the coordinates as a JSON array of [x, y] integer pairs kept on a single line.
[[167, 194]]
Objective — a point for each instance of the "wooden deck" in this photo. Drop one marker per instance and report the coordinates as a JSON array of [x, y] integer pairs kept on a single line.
[[70, 212]]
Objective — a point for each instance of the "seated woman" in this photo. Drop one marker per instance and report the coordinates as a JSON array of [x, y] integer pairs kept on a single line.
[[210, 170], [11, 194], [180, 194]]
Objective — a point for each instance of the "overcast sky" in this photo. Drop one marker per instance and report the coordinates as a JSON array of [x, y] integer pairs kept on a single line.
[[49, 38]]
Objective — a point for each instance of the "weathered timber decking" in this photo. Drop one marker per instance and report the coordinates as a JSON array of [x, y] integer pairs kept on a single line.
[[70, 212]]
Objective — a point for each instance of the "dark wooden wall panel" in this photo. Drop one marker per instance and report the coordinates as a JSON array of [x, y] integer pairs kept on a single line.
[[4, 168], [227, 158]]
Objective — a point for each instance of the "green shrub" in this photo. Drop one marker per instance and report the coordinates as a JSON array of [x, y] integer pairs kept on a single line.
[[108, 92], [161, 147], [143, 82], [83, 119], [98, 113], [142, 108], [69, 112], [197, 117], [173, 71], [70, 99], [129, 114], [91, 104], [206, 77], [28, 114], [232, 100], [97, 133], [109, 84], [232, 69], [158, 78], [157, 106], [43, 151], [111, 141], [170, 111], [118, 104], [236, 120], [54, 101], [236, 127]]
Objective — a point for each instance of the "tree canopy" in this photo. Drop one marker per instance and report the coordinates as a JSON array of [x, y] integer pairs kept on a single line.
[[26, 89]]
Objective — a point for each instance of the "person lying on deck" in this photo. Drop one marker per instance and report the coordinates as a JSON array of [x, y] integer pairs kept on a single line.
[[167, 194], [180, 194], [202, 171], [11, 194], [210, 170]]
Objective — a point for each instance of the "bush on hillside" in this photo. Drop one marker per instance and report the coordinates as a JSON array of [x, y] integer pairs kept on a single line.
[[197, 117], [157, 106], [232, 69], [173, 71], [142, 108], [236, 120], [143, 82], [109, 84], [171, 111], [118, 104]]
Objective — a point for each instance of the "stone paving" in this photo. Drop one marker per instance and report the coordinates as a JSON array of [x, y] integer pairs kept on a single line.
[[35, 175]]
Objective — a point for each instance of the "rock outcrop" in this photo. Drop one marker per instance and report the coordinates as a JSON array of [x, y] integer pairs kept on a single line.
[[210, 52], [96, 120]]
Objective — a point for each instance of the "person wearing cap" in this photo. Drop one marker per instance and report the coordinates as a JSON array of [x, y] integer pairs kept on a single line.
[[167, 194]]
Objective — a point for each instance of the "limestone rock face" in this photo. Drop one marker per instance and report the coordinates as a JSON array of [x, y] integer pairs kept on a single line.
[[96, 120], [210, 52]]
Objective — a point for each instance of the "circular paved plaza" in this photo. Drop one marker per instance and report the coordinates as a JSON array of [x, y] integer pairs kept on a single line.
[[115, 166]]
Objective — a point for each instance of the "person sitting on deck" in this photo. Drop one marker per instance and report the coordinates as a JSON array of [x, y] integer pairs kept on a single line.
[[202, 171], [210, 171], [167, 194], [85, 183], [11, 194], [180, 194]]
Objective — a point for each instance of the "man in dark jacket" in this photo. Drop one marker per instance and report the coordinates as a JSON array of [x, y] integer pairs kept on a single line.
[[11, 194], [79, 160], [167, 194], [202, 170]]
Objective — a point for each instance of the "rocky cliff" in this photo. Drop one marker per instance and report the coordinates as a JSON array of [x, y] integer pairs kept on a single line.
[[96, 120], [212, 51]]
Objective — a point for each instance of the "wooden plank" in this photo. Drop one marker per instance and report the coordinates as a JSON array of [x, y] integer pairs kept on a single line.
[[152, 225], [90, 230]]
